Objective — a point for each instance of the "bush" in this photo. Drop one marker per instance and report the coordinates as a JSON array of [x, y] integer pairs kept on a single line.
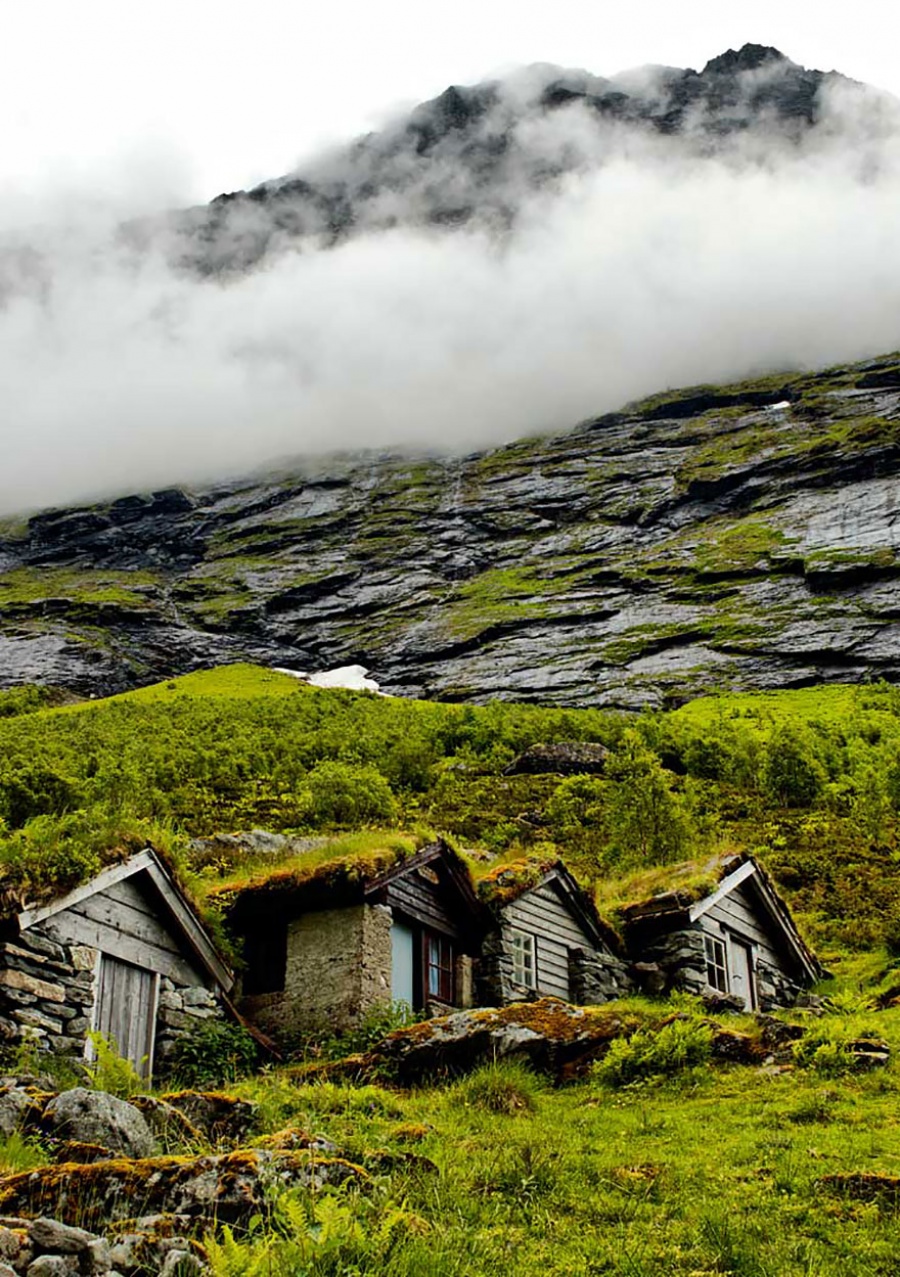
[[679, 1045], [375, 1025], [792, 775], [825, 1048], [213, 1054], [344, 794]]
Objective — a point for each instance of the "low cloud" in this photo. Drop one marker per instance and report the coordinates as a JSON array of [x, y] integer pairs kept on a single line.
[[653, 262]]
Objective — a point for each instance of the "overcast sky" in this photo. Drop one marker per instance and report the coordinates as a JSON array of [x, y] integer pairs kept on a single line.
[[651, 266], [181, 99]]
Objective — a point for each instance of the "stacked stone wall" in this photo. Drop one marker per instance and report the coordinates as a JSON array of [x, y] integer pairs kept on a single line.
[[182, 1009], [46, 993], [598, 977], [47, 997], [678, 961], [338, 967]]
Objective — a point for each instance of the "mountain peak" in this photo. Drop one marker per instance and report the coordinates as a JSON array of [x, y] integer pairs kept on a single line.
[[748, 58]]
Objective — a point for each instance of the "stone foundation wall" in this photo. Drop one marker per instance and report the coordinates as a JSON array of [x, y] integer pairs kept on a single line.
[[494, 986], [598, 977], [338, 967], [181, 1011], [47, 997], [46, 993], [678, 961], [594, 977]]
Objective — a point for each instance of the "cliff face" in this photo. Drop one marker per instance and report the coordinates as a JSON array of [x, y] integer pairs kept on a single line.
[[739, 537]]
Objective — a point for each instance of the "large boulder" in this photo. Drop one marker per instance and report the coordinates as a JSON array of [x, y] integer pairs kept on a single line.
[[552, 1036], [94, 1117], [565, 758]]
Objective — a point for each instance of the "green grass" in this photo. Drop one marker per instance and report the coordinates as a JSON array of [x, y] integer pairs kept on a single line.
[[715, 1171]]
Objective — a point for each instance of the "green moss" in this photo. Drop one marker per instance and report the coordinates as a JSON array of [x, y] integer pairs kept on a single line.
[[26, 586], [501, 595]]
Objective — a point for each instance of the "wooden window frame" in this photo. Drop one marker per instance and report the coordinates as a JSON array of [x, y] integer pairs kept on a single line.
[[438, 959], [717, 976], [523, 945]]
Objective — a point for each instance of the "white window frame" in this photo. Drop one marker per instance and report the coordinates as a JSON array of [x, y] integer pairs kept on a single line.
[[715, 966], [523, 946]]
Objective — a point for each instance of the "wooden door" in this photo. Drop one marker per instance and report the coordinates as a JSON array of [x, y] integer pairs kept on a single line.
[[741, 964], [402, 965], [125, 1010]]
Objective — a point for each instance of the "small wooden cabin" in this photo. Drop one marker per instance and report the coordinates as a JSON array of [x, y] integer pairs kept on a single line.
[[326, 943], [124, 955], [546, 939], [721, 929]]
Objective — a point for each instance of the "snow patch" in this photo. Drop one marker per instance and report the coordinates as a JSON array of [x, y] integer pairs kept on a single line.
[[351, 677]]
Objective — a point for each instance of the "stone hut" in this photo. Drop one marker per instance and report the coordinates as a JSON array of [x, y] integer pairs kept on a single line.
[[720, 929], [327, 941], [125, 955], [546, 937]]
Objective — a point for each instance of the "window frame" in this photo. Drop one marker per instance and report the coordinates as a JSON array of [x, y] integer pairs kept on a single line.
[[438, 959], [712, 945], [523, 944]]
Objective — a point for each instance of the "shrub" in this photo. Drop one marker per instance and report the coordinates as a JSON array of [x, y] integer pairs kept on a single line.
[[344, 794], [376, 1024], [500, 1087], [826, 1048], [213, 1054], [111, 1072], [679, 1045], [792, 776]]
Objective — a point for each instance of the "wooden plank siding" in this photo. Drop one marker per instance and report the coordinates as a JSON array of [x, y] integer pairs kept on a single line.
[[121, 921], [738, 914], [426, 902], [543, 914]]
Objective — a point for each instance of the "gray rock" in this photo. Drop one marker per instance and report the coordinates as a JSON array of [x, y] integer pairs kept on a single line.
[[96, 1258], [94, 1117], [53, 1266], [50, 1234], [180, 1263], [565, 758], [14, 1105]]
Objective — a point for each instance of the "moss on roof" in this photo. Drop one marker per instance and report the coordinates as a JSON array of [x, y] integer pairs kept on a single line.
[[679, 885], [505, 882], [335, 874]]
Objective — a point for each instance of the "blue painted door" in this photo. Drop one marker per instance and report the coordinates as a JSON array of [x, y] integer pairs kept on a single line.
[[402, 963]]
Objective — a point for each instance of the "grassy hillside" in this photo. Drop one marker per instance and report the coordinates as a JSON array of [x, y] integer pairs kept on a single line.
[[655, 1164], [809, 780]]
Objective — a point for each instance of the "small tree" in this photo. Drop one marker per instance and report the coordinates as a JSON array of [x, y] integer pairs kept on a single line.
[[792, 775], [647, 821]]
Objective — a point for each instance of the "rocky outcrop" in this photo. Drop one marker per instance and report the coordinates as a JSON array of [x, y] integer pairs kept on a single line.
[[566, 758], [228, 1187], [550, 1035], [484, 135], [738, 537]]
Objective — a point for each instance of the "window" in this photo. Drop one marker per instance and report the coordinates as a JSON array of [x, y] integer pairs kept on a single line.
[[524, 965], [716, 967], [265, 956], [439, 968]]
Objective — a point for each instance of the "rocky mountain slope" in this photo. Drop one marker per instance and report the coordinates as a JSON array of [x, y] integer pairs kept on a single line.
[[474, 154], [739, 537]]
